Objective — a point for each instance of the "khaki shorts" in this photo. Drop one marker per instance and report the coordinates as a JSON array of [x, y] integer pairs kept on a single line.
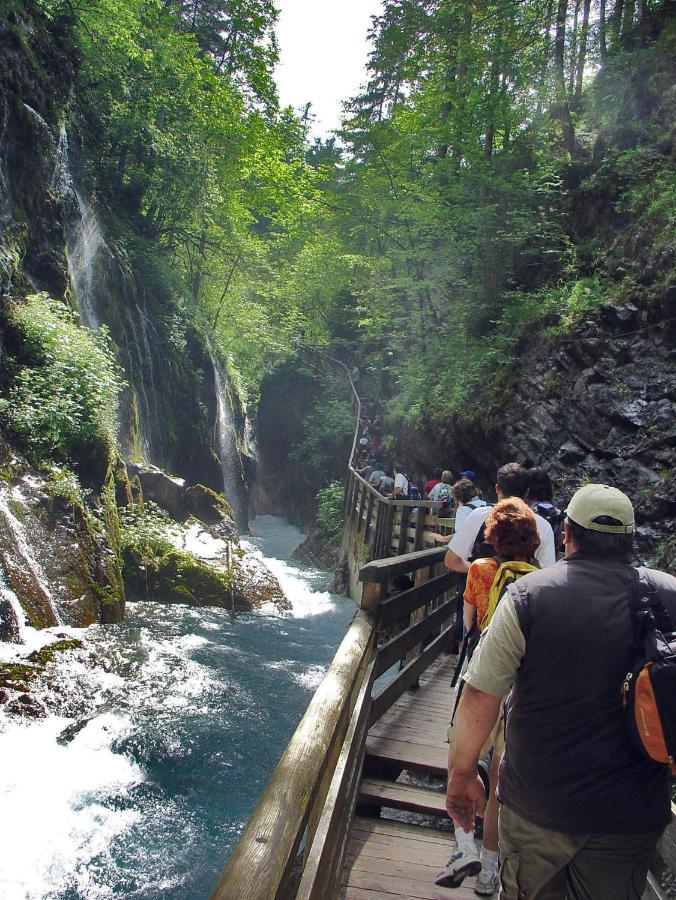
[[540, 864], [495, 739]]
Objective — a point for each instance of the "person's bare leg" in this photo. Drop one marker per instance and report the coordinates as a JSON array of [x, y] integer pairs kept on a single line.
[[487, 882]]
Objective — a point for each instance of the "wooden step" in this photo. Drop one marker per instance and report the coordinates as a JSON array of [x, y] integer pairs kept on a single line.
[[411, 756], [392, 860], [402, 796]]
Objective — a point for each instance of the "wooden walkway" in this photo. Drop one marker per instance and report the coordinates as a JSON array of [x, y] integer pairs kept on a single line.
[[388, 859]]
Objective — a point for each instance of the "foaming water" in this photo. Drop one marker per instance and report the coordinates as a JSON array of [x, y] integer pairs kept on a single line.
[[145, 790]]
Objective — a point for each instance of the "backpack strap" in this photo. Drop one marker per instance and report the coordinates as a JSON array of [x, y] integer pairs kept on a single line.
[[649, 618]]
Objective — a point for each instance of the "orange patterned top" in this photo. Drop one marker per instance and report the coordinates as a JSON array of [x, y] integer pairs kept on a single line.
[[479, 580]]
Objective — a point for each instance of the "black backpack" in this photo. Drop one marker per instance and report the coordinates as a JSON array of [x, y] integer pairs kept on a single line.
[[649, 688], [413, 492], [555, 517], [481, 548]]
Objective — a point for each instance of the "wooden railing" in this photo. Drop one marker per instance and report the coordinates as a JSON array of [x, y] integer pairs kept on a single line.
[[387, 526], [294, 844]]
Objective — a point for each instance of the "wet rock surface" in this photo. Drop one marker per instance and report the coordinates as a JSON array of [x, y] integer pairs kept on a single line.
[[56, 560], [597, 405], [181, 501], [203, 569]]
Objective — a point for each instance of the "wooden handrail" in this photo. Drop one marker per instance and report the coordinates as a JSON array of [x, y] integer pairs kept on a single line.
[[381, 570], [397, 647], [260, 866], [393, 501], [406, 602]]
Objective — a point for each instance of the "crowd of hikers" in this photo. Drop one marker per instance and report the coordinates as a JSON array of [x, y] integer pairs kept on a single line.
[[569, 806]]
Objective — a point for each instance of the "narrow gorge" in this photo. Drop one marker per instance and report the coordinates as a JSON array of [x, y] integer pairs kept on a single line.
[[187, 271]]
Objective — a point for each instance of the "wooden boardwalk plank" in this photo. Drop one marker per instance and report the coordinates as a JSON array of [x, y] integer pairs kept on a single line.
[[403, 796], [389, 861], [398, 830], [385, 859], [411, 756]]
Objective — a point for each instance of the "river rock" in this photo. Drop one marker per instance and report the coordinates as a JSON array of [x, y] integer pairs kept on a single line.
[[203, 569], [182, 502], [27, 707]]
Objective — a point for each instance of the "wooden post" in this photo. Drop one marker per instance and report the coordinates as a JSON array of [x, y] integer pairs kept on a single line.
[[378, 529], [387, 531], [370, 596], [367, 525], [419, 528], [403, 528], [362, 503]]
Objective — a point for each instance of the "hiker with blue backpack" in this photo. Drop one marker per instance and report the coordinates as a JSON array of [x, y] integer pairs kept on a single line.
[[404, 488], [511, 531]]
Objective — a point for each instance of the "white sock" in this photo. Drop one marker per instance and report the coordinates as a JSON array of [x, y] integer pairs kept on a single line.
[[464, 837], [489, 859]]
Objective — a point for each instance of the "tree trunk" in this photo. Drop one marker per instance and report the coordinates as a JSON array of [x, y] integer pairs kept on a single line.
[[546, 53], [493, 102], [616, 22], [628, 22], [562, 109], [582, 54], [603, 49], [573, 49]]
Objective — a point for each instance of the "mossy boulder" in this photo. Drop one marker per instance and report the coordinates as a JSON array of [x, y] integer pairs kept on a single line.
[[226, 578], [176, 577], [46, 654], [182, 502]]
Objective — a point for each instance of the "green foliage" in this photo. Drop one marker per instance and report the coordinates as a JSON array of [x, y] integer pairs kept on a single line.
[[63, 400], [329, 510], [328, 431], [145, 530], [63, 486]]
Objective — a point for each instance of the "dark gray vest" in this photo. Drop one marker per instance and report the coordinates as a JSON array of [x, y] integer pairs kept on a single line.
[[569, 764]]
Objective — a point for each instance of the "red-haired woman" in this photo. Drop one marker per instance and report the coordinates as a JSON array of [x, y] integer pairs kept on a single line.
[[511, 529]]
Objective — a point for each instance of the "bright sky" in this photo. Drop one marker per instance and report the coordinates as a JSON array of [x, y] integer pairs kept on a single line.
[[323, 52]]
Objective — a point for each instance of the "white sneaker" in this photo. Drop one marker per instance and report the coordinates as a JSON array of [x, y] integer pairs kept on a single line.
[[464, 862], [487, 883]]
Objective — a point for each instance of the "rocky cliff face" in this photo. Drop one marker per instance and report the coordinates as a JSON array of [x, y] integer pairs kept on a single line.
[[601, 406], [179, 410], [598, 405], [55, 238], [284, 485]]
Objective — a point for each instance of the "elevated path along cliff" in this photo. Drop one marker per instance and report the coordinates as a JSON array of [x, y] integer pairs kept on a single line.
[[329, 823]]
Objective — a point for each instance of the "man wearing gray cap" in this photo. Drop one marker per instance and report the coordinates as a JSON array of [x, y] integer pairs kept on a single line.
[[581, 808]]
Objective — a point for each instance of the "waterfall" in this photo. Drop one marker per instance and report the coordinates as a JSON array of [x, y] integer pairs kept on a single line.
[[227, 447], [85, 244], [42, 126], [139, 337], [5, 202], [17, 550], [12, 615]]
